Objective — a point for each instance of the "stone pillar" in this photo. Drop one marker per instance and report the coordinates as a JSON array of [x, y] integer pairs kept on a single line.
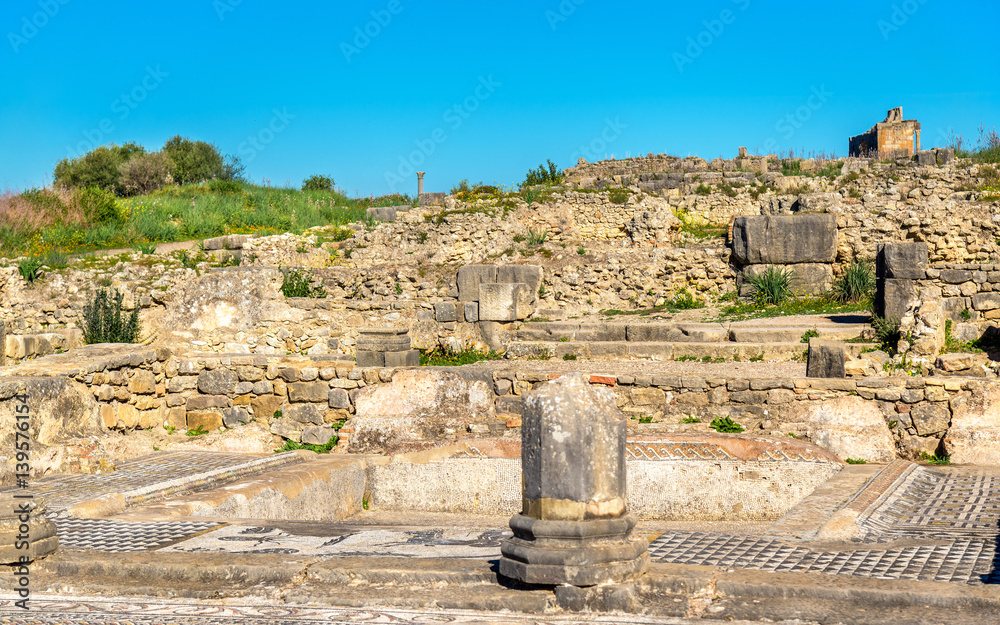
[[420, 183], [385, 347], [573, 529], [16, 515]]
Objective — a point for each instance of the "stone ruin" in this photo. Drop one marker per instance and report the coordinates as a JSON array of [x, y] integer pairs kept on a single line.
[[893, 137]]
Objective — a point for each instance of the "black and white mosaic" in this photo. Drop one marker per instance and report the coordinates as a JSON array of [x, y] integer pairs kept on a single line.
[[971, 561], [118, 536]]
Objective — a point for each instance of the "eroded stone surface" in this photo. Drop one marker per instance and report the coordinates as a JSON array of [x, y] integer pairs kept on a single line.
[[849, 427]]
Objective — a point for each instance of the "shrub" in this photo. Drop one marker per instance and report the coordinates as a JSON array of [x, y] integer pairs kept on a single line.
[[684, 300], [444, 357], [886, 332], [317, 183], [857, 284], [772, 286], [144, 173], [298, 283], [194, 161], [29, 268], [224, 187], [98, 168], [543, 175], [106, 321], [98, 206], [725, 424]]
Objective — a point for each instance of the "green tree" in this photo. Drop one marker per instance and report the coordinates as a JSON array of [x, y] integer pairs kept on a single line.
[[194, 161], [101, 167]]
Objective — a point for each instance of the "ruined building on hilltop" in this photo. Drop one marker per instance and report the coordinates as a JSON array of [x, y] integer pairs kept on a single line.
[[892, 137]]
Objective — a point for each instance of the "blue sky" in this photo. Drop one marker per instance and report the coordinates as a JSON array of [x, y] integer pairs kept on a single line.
[[369, 92]]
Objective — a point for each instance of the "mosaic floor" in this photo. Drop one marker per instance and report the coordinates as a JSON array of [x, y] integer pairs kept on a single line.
[[157, 475], [95, 611]]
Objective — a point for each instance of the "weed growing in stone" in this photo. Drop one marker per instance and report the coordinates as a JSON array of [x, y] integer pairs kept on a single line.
[[198, 431], [443, 357], [771, 286], [725, 425], [690, 420], [935, 459], [106, 321], [855, 461], [809, 334], [299, 283], [291, 445], [30, 269], [569, 356], [619, 196], [857, 284]]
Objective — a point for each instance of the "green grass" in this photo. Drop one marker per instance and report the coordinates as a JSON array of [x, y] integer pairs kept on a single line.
[[795, 306], [855, 461], [725, 425], [935, 459], [450, 358], [690, 420], [190, 212], [699, 228], [291, 445]]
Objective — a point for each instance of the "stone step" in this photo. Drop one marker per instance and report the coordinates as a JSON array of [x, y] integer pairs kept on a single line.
[[791, 333], [788, 350], [662, 332]]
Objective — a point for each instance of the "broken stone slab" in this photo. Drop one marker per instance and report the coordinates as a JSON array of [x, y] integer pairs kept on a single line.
[[235, 417], [25, 533], [505, 302], [901, 261], [785, 239], [470, 277], [317, 435], [895, 297], [826, 359], [574, 527], [525, 274], [382, 213], [444, 312], [955, 362]]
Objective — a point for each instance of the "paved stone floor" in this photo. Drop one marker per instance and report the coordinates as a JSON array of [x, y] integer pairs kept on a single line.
[[51, 610]]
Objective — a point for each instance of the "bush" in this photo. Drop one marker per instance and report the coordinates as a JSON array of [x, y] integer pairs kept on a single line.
[[101, 167], [317, 183], [195, 161], [857, 284], [98, 206], [772, 286], [144, 173], [105, 319], [725, 424], [298, 283], [29, 269], [618, 196], [543, 175], [886, 332]]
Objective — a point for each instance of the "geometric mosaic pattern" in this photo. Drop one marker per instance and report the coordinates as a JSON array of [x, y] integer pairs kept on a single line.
[[971, 561], [691, 450], [119, 536], [937, 503], [156, 476]]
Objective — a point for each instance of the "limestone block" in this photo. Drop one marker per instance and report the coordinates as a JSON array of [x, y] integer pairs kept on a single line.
[[471, 310], [382, 213], [204, 420], [177, 417], [263, 387], [418, 404], [338, 399], [40, 540], [926, 158], [850, 427], [365, 358], [901, 261], [470, 277], [317, 435], [143, 382], [205, 402], [930, 418], [525, 274], [265, 406], [974, 435], [244, 388], [217, 381], [308, 391], [893, 298], [807, 278], [304, 413], [826, 359], [986, 301], [444, 312], [409, 358], [250, 374], [954, 362], [785, 239], [235, 417], [287, 428], [505, 302]]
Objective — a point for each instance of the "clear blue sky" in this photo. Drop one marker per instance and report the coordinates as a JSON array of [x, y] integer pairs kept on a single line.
[[482, 91]]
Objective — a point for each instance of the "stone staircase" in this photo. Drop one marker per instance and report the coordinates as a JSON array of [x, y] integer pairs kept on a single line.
[[761, 339]]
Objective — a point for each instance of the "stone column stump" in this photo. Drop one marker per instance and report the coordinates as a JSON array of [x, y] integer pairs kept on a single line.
[[386, 347], [573, 529], [24, 530]]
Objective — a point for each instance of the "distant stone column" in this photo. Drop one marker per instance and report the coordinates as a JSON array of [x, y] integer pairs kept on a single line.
[[573, 529], [420, 183]]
